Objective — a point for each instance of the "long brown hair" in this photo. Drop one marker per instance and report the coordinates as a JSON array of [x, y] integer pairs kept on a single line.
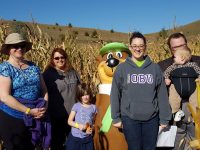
[[68, 65]]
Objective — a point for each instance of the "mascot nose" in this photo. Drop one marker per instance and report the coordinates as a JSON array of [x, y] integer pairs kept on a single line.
[[112, 62]]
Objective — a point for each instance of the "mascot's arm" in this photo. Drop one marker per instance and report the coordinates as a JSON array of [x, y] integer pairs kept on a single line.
[[118, 125]]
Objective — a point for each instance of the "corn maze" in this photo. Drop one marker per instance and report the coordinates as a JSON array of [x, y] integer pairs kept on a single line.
[[83, 56]]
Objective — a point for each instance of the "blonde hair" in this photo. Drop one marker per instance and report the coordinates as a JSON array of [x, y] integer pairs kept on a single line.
[[184, 53]]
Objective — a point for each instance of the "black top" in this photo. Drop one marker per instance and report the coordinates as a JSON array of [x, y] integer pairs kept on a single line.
[[185, 86], [62, 91], [184, 81]]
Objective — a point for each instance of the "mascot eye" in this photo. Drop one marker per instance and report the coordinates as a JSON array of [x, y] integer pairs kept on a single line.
[[119, 54], [110, 55]]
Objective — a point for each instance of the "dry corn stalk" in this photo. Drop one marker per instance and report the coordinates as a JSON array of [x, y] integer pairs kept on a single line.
[[196, 116], [82, 56]]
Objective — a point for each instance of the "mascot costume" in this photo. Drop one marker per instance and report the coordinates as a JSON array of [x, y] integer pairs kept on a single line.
[[108, 137]]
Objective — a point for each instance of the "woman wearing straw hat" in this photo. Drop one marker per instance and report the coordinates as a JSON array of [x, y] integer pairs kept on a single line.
[[21, 84]]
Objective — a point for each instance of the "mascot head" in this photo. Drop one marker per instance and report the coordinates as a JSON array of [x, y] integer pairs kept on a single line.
[[112, 54]]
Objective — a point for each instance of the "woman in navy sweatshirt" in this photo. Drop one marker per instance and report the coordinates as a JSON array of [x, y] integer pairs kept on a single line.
[[139, 100]]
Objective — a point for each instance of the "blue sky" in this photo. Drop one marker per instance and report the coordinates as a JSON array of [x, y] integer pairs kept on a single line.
[[146, 16]]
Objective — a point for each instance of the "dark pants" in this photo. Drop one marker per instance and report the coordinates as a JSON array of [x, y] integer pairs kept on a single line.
[[14, 133], [140, 135], [75, 143], [60, 129]]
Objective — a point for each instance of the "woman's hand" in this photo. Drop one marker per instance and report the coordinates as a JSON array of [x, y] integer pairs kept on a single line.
[[118, 125], [163, 126], [38, 112]]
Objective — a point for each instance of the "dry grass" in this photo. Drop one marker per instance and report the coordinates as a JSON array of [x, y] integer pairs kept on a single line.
[[83, 56]]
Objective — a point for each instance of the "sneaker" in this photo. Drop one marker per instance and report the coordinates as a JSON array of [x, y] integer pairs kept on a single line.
[[179, 114]]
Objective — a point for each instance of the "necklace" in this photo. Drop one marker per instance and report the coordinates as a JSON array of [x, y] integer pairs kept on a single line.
[[20, 65]]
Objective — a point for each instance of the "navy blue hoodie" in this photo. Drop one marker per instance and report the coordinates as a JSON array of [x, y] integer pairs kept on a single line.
[[139, 92]]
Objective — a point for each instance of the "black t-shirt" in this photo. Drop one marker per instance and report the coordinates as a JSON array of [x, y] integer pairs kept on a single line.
[[61, 90]]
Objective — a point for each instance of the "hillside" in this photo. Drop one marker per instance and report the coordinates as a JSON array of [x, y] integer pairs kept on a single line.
[[190, 30], [85, 35]]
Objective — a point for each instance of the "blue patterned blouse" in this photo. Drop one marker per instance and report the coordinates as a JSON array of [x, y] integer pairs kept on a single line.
[[25, 84]]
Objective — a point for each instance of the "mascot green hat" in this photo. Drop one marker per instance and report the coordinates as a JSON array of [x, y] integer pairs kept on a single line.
[[115, 46]]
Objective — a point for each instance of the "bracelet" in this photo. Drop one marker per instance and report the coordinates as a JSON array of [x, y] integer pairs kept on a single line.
[[27, 111], [76, 125]]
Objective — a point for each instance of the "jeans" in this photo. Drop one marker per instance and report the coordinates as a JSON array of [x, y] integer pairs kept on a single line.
[[140, 135], [76, 143]]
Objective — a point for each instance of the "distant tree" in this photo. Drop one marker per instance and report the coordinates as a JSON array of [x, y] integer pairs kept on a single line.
[[14, 20], [57, 24], [112, 31], [86, 34], [163, 33], [94, 34], [70, 25]]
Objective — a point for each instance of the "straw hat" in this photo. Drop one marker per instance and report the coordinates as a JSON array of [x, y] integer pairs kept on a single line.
[[14, 38]]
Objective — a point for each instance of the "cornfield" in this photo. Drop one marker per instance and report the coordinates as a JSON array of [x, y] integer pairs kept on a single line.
[[83, 56]]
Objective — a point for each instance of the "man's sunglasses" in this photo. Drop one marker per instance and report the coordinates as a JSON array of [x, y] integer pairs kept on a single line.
[[57, 58]]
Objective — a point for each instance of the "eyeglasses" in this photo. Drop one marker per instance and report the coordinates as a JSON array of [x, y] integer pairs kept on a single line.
[[17, 46], [182, 45], [57, 58], [137, 46]]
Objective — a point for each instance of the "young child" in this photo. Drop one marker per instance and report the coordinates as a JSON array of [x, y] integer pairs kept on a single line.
[[81, 120], [182, 74]]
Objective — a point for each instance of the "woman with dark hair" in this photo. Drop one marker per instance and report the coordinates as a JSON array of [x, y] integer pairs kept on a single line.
[[139, 100], [61, 80]]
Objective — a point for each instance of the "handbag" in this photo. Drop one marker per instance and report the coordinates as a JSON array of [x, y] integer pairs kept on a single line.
[[166, 136]]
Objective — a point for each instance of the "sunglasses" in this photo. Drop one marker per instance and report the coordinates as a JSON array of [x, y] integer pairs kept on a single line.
[[17, 46], [57, 58]]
